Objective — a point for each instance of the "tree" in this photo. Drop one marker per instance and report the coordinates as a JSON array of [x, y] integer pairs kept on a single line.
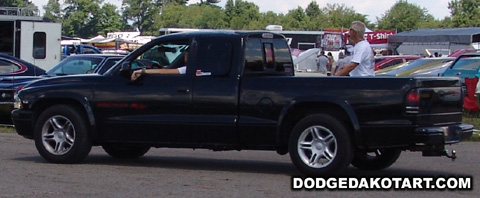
[[465, 13], [313, 10], [143, 12], [106, 20], [295, 19], [241, 14], [404, 16], [339, 16], [17, 3], [77, 17], [53, 11]]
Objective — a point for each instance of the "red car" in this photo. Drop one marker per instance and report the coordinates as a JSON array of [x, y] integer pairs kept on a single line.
[[387, 61]]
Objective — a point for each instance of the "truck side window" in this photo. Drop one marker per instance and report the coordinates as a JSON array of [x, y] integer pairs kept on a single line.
[[169, 55], [283, 58], [215, 57], [253, 56], [268, 57]]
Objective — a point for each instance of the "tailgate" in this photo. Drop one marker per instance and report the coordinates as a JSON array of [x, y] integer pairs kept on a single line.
[[435, 101]]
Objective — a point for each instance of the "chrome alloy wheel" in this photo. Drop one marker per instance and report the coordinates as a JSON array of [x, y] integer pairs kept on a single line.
[[58, 135], [317, 146]]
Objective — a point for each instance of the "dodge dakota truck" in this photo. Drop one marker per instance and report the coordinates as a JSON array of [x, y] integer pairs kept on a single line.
[[239, 92]]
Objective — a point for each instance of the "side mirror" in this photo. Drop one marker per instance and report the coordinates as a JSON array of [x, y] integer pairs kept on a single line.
[[125, 66]]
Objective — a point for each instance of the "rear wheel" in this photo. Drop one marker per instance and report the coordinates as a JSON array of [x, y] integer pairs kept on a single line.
[[320, 145], [61, 135], [125, 152], [375, 160]]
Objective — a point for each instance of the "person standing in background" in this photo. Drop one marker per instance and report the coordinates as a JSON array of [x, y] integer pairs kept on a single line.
[[331, 63], [322, 62], [362, 60]]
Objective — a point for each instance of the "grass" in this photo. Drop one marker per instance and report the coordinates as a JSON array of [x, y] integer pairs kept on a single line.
[[7, 129], [474, 120]]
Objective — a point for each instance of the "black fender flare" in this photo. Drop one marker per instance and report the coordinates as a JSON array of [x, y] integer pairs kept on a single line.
[[324, 100], [81, 101]]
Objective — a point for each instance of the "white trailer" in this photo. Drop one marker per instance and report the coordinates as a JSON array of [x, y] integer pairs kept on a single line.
[[25, 35]]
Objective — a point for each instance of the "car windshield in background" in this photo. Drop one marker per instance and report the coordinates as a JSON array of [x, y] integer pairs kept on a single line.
[[75, 65], [107, 65], [467, 63]]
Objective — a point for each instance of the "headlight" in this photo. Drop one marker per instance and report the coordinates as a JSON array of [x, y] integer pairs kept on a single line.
[[18, 102]]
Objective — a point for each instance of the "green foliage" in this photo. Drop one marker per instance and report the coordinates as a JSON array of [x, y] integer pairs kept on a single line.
[[404, 16], [53, 10], [86, 18], [106, 20], [475, 121], [16, 3], [339, 16], [465, 13]]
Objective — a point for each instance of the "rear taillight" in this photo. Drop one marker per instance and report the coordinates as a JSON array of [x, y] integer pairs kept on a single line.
[[412, 102]]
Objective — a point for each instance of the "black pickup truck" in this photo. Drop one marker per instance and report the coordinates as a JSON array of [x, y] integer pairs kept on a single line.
[[239, 92]]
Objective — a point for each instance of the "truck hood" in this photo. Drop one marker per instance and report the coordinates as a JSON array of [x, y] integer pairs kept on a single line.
[[9, 82], [65, 80]]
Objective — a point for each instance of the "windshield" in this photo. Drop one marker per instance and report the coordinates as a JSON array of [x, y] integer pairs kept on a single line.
[[467, 63], [75, 65], [412, 64]]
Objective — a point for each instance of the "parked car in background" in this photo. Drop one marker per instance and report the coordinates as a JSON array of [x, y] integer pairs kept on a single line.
[[434, 70], [13, 68], [68, 50], [85, 63], [77, 64], [382, 62], [405, 67], [465, 66], [409, 69], [459, 52]]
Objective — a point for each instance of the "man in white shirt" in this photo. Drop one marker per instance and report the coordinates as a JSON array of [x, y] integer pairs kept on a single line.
[[362, 63]]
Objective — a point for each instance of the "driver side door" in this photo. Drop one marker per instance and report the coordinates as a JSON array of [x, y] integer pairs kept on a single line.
[[155, 108]]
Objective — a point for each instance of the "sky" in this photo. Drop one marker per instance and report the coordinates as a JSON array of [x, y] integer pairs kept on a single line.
[[371, 8]]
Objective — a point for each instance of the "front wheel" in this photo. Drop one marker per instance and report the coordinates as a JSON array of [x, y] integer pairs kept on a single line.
[[61, 135], [320, 145], [376, 159]]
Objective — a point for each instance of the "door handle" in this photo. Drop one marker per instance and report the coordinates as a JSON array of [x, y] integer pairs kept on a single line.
[[183, 90]]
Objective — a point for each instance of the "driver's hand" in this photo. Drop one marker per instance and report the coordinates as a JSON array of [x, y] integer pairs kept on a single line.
[[136, 74]]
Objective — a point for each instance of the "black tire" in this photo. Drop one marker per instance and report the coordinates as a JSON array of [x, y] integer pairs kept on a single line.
[[61, 135], [332, 147], [376, 160], [125, 152]]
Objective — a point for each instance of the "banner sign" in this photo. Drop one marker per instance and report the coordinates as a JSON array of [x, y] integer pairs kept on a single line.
[[380, 36], [375, 37], [332, 41]]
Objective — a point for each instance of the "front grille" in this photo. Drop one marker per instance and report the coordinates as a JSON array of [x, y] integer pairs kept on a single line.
[[6, 95]]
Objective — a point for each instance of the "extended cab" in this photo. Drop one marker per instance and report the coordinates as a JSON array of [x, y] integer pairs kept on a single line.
[[239, 92]]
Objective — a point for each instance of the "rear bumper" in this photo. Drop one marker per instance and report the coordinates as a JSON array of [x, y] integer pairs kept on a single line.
[[442, 135], [22, 119]]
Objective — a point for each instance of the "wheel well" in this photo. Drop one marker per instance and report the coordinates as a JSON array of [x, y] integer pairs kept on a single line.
[[300, 111]]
